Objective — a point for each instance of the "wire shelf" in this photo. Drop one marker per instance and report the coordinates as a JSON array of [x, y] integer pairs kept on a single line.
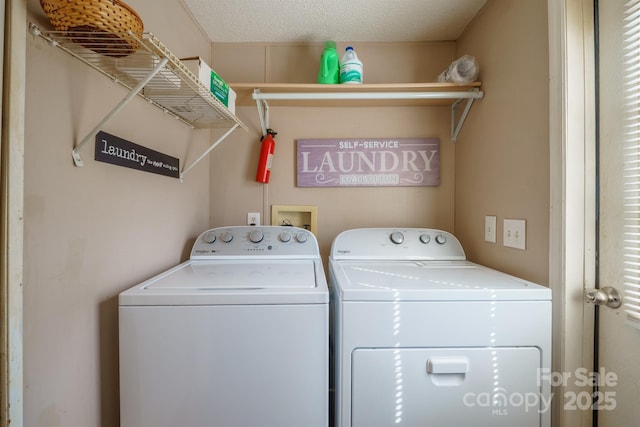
[[173, 88]]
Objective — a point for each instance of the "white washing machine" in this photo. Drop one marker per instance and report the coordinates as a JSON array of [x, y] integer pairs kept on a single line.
[[423, 337], [235, 337]]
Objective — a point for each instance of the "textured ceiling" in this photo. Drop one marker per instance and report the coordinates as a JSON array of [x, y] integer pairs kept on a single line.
[[340, 20]]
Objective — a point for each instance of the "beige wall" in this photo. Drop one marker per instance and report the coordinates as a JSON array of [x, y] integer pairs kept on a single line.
[[502, 156], [499, 166], [298, 62], [234, 191], [92, 232]]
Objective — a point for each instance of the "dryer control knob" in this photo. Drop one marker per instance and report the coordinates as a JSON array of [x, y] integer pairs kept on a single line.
[[441, 239], [425, 238], [301, 237], [209, 237], [397, 237], [285, 237], [256, 236], [227, 236]]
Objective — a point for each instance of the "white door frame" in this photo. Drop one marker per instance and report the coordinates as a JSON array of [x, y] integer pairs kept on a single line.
[[572, 193], [11, 210], [4, 365]]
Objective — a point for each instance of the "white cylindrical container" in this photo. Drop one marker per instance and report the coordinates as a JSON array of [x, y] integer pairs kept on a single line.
[[351, 68]]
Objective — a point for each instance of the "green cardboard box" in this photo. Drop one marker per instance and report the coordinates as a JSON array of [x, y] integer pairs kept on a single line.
[[213, 81]]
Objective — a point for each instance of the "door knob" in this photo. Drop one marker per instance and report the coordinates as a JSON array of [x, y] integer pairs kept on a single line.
[[604, 296]]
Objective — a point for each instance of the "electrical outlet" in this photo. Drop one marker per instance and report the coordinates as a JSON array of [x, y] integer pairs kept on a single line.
[[253, 218], [514, 233], [490, 223]]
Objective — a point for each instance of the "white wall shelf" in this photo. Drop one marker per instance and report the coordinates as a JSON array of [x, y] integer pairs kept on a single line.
[[152, 72], [365, 95]]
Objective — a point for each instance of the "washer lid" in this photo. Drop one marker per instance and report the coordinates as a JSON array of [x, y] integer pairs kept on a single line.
[[233, 282], [428, 281]]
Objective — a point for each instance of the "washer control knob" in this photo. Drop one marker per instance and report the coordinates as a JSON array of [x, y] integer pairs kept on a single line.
[[209, 237], [441, 239], [301, 237], [397, 237], [256, 236], [285, 237], [425, 238], [227, 236]]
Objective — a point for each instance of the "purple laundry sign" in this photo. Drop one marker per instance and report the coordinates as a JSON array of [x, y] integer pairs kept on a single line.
[[368, 162]]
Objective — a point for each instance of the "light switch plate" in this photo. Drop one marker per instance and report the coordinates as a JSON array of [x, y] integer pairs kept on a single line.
[[490, 223], [514, 233]]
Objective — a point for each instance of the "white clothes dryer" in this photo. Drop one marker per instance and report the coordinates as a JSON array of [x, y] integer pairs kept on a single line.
[[423, 337], [235, 337]]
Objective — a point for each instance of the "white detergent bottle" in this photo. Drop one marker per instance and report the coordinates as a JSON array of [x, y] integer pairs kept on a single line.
[[350, 67]]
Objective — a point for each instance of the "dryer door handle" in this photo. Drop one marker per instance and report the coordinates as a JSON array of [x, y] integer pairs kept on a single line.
[[447, 365]]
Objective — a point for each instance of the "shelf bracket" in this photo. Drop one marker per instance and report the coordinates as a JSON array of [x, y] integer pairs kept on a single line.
[[91, 135], [208, 150], [263, 112], [457, 126]]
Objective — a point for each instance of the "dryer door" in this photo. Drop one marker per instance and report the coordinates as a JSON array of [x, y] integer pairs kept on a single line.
[[491, 386]]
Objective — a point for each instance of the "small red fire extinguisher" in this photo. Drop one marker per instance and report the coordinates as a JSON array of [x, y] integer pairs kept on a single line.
[[266, 156]]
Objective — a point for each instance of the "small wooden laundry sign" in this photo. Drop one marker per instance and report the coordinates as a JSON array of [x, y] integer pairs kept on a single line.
[[118, 151], [368, 162]]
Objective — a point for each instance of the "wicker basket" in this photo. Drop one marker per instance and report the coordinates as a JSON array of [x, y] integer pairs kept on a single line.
[[100, 25]]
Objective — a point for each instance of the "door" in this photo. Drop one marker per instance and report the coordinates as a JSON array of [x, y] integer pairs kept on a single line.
[[619, 343]]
